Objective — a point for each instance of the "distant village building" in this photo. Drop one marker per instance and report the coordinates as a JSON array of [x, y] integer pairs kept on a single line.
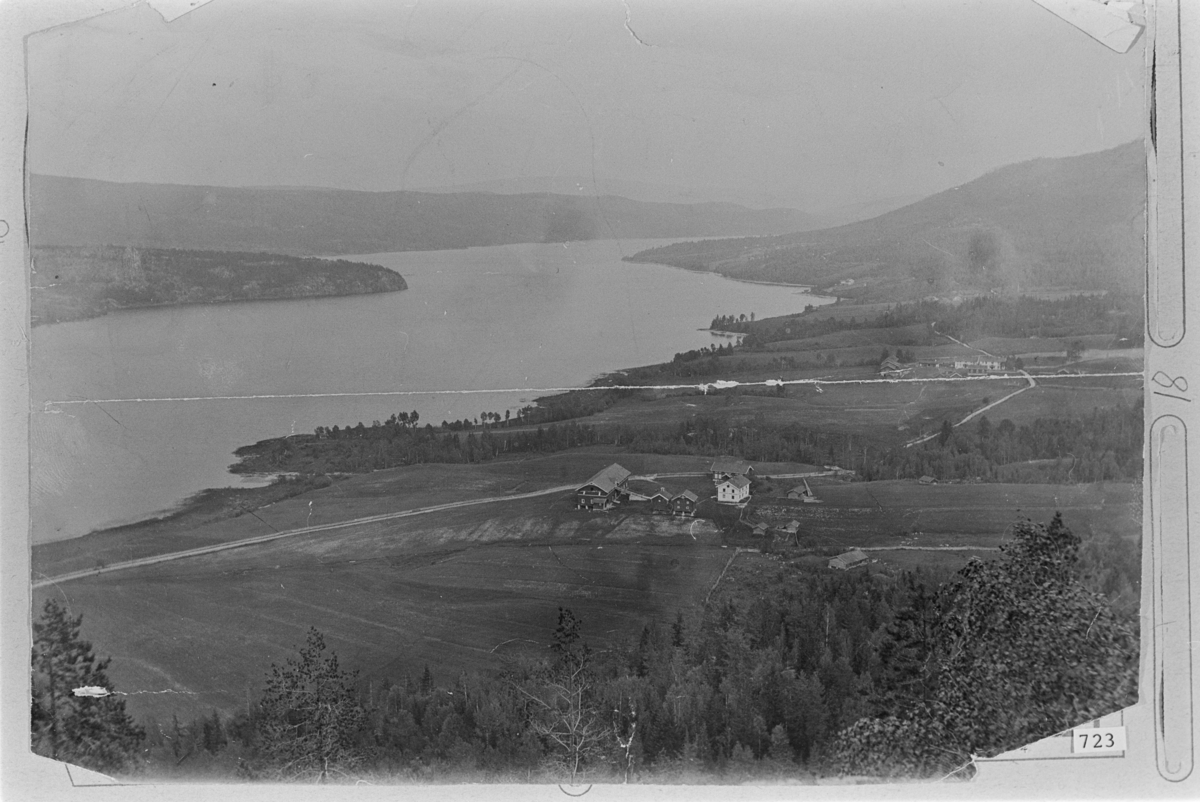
[[603, 490], [761, 530], [978, 367], [726, 467], [734, 490], [789, 532], [641, 489], [851, 559], [660, 501], [927, 480], [684, 503], [891, 365], [803, 493]]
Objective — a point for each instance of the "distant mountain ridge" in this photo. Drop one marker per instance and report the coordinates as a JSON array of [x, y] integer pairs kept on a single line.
[[311, 221], [1075, 223]]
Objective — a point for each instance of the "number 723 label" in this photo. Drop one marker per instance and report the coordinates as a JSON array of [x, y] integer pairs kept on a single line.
[[1097, 740]]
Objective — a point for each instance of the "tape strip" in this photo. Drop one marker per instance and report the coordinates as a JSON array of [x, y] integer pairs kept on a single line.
[[1172, 567]]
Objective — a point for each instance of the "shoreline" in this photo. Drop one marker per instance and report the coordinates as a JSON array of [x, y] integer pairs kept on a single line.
[[143, 307], [806, 288], [202, 499]]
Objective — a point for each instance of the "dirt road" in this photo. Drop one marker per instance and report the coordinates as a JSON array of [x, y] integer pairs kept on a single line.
[[253, 541]]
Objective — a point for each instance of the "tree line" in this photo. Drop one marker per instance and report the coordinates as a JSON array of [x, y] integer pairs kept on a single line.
[[1103, 445]]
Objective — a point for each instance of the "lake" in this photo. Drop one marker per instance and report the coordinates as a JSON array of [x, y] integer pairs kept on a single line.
[[516, 317]]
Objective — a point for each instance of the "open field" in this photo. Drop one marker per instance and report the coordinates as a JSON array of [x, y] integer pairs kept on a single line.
[[871, 409], [208, 628], [906, 513], [379, 493], [460, 589], [1067, 397], [1016, 346]]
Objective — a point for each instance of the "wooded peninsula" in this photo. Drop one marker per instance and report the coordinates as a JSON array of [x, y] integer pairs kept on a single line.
[[74, 283]]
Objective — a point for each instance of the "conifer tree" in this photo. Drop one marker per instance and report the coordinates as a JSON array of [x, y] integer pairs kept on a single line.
[[311, 717], [90, 729], [1020, 649]]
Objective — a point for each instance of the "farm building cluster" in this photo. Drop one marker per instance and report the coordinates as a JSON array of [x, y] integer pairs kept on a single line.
[[893, 368], [615, 485]]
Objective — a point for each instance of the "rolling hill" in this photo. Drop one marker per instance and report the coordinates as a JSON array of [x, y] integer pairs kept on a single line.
[[1073, 223], [314, 221]]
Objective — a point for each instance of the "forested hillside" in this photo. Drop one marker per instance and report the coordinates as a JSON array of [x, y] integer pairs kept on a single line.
[[72, 283]]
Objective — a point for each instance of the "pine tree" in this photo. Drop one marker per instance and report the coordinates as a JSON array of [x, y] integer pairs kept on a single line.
[[91, 730], [311, 717]]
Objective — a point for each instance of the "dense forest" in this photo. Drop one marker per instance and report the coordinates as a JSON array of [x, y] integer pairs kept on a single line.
[[791, 672], [72, 283]]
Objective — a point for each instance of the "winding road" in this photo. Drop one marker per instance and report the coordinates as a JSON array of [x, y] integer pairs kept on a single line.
[[977, 412]]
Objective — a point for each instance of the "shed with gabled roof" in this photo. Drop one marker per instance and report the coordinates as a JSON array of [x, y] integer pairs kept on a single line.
[[684, 503], [851, 559]]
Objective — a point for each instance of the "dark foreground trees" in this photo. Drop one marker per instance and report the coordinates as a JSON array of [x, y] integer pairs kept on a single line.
[[1010, 651], [76, 716], [309, 716], [791, 670]]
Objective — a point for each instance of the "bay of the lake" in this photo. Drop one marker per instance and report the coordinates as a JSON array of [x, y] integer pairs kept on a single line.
[[517, 317]]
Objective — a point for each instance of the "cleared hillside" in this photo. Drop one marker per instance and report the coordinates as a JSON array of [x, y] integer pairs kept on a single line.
[[1074, 223]]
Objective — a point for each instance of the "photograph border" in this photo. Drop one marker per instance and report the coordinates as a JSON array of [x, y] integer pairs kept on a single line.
[[1164, 714]]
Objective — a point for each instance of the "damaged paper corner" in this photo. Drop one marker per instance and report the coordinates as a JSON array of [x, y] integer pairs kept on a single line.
[[171, 10], [1116, 25]]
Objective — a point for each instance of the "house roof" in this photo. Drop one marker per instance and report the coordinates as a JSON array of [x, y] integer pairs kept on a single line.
[[799, 489], [761, 527], [730, 465], [740, 482], [891, 363], [792, 525], [608, 479], [647, 488], [689, 495], [852, 556]]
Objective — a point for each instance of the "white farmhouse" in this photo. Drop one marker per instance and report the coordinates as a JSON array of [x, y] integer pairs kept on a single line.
[[734, 490]]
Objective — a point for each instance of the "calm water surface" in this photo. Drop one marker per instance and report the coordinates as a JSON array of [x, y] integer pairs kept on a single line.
[[518, 316]]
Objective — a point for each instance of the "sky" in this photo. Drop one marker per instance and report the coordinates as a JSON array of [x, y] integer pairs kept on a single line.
[[812, 105]]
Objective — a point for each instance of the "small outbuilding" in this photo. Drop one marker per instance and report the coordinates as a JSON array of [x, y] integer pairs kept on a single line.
[[927, 480], [684, 503], [851, 559], [726, 467], [660, 501]]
